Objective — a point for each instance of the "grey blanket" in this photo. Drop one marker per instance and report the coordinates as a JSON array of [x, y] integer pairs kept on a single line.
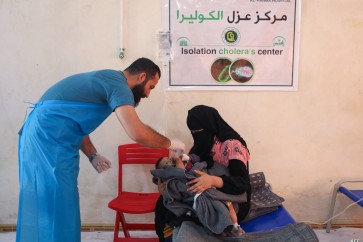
[[300, 232], [208, 206], [180, 201]]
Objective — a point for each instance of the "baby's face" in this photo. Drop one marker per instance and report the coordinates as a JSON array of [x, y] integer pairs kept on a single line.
[[166, 162], [176, 162]]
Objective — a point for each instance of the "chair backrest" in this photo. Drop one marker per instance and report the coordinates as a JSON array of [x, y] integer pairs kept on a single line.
[[137, 154]]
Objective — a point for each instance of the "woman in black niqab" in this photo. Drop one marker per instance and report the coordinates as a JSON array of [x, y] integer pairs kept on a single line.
[[205, 124]]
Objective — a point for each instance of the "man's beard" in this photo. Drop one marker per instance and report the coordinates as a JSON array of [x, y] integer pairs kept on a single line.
[[139, 92]]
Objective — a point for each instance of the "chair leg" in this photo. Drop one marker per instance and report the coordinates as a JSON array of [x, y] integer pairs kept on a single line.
[[117, 227], [332, 206], [124, 225]]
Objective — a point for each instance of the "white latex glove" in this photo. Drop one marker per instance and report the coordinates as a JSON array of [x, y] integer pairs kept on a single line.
[[101, 163], [176, 148], [185, 157]]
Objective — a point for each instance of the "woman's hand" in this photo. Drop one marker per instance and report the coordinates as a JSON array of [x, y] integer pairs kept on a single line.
[[202, 183]]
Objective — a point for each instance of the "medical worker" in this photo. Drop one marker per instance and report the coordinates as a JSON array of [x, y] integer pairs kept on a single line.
[[58, 127]]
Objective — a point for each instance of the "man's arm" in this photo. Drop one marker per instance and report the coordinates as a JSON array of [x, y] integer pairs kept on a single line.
[[138, 131], [99, 162], [87, 147]]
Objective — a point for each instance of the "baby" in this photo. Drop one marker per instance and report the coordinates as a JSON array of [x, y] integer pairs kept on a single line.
[[186, 163]]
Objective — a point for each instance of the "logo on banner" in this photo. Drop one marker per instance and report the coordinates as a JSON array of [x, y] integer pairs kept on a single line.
[[183, 41], [279, 41], [231, 36]]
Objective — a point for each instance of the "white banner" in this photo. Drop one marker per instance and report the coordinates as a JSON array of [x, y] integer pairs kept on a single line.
[[230, 44]]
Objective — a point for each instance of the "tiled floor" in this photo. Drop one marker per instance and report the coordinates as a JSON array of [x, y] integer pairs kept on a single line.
[[338, 235], [341, 235]]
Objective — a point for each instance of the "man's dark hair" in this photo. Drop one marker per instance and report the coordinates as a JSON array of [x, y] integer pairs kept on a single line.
[[144, 65]]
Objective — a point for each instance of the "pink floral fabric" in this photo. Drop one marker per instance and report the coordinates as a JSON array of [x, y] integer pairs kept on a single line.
[[222, 152]]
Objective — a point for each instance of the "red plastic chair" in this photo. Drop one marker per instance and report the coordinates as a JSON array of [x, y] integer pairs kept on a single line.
[[133, 202]]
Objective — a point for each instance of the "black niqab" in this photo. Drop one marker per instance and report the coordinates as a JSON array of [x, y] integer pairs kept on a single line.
[[208, 119]]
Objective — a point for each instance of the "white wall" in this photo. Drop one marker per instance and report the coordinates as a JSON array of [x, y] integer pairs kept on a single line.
[[304, 141]]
